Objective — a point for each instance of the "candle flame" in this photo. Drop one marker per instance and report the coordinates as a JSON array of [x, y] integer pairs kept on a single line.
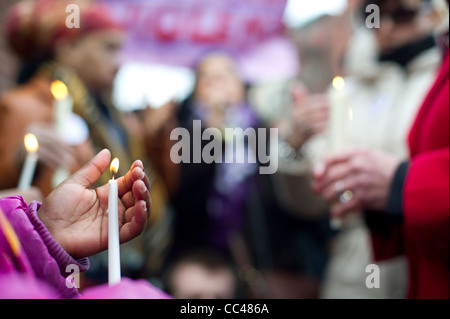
[[59, 90], [31, 143], [339, 83], [114, 168], [350, 114]]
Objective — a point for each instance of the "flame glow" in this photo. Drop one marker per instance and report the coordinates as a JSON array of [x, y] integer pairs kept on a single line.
[[114, 168], [339, 83], [350, 114], [31, 143], [59, 90]]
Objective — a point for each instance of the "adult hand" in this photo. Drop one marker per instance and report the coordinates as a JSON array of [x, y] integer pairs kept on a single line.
[[77, 216], [309, 115], [356, 180]]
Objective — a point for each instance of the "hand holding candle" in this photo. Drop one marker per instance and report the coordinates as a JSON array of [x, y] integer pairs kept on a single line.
[[76, 215], [367, 172]]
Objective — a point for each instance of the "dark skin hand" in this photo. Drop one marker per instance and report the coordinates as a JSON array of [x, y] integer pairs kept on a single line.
[[77, 216]]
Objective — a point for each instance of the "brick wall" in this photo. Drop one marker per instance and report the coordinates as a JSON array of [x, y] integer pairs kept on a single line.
[[8, 63]]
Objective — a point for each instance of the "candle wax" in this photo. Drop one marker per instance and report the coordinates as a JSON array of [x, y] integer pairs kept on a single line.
[[113, 234], [29, 168]]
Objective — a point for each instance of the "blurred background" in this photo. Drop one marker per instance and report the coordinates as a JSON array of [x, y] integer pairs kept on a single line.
[[153, 79], [222, 230]]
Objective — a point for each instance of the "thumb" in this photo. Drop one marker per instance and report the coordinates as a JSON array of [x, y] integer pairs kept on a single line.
[[92, 171]]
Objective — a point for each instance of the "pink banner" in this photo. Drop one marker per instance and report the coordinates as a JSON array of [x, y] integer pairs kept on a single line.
[[178, 32]]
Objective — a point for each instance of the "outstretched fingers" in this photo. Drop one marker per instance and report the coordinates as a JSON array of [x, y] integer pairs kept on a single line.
[[134, 193], [135, 173]]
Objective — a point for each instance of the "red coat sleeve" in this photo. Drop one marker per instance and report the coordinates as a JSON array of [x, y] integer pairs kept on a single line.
[[388, 247], [426, 197]]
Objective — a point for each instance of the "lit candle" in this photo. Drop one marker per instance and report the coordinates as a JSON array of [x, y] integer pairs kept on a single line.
[[63, 105], [29, 167], [62, 111], [113, 228], [338, 114], [340, 119]]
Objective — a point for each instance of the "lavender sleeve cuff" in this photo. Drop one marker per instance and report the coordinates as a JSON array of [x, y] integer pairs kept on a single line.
[[48, 261], [54, 248]]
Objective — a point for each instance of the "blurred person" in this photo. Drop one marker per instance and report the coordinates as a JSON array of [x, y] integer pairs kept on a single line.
[[86, 59], [299, 108], [210, 199], [228, 207], [201, 275], [406, 200], [38, 242], [382, 64], [29, 107], [218, 100]]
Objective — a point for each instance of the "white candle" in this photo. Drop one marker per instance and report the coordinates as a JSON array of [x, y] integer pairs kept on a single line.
[[62, 111], [340, 114], [113, 228], [63, 105], [29, 167]]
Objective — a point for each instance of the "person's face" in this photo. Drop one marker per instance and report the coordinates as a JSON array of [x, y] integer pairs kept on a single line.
[[218, 82], [95, 57], [192, 281], [402, 22]]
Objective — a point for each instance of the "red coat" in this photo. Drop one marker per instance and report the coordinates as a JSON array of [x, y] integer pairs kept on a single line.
[[424, 235]]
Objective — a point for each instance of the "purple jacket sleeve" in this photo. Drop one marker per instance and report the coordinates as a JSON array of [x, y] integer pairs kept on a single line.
[[47, 261], [126, 289], [33, 265]]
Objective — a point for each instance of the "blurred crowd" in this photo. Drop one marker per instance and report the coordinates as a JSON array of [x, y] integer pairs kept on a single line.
[[222, 230]]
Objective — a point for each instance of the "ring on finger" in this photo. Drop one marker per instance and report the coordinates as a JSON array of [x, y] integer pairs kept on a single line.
[[346, 196]]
